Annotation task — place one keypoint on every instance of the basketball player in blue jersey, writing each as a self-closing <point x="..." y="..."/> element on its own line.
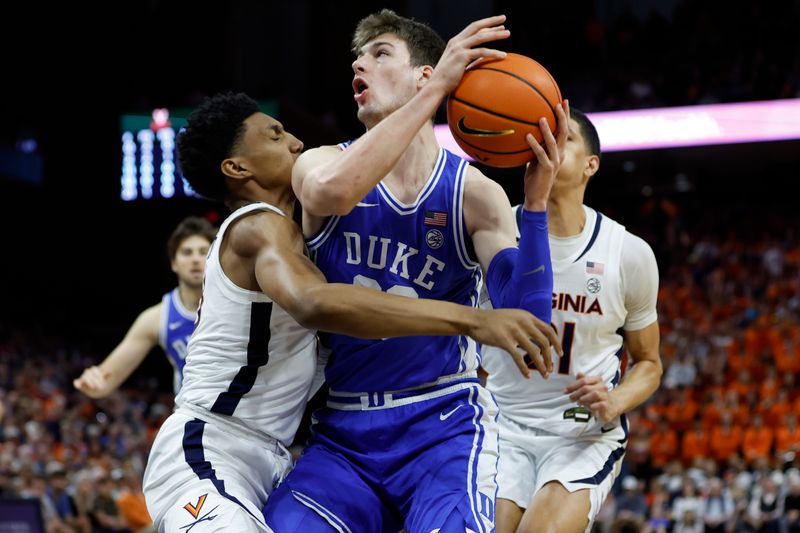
<point x="408" y="438"/>
<point x="562" y="440"/>
<point x="252" y="356"/>
<point x="168" y="324"/>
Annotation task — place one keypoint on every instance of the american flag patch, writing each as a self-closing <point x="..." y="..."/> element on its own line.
<point x="593" y="267"/>
<point x="435" y="218"/>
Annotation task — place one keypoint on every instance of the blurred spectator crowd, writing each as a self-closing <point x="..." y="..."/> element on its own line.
<point x="716" y="449"/>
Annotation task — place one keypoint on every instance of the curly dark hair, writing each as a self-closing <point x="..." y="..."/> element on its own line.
<point x="211" y="133"/>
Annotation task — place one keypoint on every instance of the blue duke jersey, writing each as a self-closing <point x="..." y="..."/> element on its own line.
<point x="177" y="325"/>
<point x="415" y="250"/>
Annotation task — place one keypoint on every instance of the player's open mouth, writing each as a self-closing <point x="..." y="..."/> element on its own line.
<point x="359" y="88"/>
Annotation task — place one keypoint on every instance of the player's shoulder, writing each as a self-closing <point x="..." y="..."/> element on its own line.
<point x="479" y="186"/>
<point x="248" y="234"/>
<point x="635" y="245"/>
<point x="149" y="320"/>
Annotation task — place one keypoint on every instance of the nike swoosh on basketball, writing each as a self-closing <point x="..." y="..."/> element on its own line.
<point x="540" y="268"/>
<point x="362" y="204"/>
<point x="174" y="325"/>
<point x="445" y="416"/>
<point x="466" y="130"/>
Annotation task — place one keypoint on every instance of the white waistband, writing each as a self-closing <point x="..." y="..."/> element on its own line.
<point x="365" y="401"/>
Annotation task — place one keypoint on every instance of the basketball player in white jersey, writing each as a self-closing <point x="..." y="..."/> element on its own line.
<point x="562" y="440"/>
<point x="168" y="324"/>
<point x="252" y="357"/>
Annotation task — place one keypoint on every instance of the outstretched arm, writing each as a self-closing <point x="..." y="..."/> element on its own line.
<point x="273" y="246"/>
<point x="99" y="381"/>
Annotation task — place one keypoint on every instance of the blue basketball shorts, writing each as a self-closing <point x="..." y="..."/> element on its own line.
<point x="421" y="460"/>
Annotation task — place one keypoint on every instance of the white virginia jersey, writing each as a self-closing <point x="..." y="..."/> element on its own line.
<point x="604" y="279"/>
<point x="248" y="358"/>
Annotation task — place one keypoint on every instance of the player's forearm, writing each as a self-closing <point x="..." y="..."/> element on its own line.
<point x="524" y="278"/>
<point x="371" y="314"/>
<point x="639" y="384"/>
<point x="340" y="185"/>
<point x="117" y="367"/>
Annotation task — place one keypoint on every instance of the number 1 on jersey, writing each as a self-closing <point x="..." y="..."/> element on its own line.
<point x="566" y="345"/>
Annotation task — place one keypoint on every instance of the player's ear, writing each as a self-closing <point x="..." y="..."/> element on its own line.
<point x="423" y="74"/>
<point x="234" y="168"/>
<point x="592" y="166"/>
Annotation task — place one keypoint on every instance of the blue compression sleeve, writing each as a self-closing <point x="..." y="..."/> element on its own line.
<point x="523" y="277"/>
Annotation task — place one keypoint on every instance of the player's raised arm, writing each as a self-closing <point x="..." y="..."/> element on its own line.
<point x="334" y="186"/>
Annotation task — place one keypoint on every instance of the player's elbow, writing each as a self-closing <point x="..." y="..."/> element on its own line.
<point x="323" y="195"/>
<point x="314" y="310"/>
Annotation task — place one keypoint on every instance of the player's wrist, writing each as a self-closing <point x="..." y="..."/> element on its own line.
<point x="535" y="206"/>
<point x="435" y="89"/>
<point x="472" y="319"/>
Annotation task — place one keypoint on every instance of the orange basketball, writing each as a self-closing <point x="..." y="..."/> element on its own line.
<point x="496" y="104"/>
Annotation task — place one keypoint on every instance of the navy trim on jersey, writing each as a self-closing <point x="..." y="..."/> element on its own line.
<point x="257" y="356"/>
<point x="195" y="457"/>
<point x="623" y="420"/>
<point x="605" y="471"/>
<point x="594" y="236"/>
<point x="618" y="375"/>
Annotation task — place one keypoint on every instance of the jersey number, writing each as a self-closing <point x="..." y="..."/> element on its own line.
<point x="566" y="345"/>
<point x="399" y="290"/>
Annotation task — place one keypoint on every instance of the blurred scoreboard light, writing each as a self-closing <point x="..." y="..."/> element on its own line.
<point x="149" y="167"/>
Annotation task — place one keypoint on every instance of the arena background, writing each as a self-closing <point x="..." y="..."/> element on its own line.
<point x="80" y="263"/>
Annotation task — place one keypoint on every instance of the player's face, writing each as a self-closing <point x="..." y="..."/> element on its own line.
<point x="269" y="151"/>
<point x="189" y="262"/>
<point x="576" y="155"/>
<point x="384" y="78"/>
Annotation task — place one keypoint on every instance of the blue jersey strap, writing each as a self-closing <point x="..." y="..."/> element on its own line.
<point x="523" y="277"/>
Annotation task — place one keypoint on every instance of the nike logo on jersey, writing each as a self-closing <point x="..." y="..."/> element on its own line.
<point x="363" y="204"/>
<point x="444" y="416"/>
<point x="174" y="325"/>
<point x="463" y="128"/>
<point x="606" y="430"/>
<point x="540" y="268"/>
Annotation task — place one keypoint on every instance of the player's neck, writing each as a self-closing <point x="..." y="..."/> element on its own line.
<point x="190" y="297"/>
<point x="565" y="215"/>
<point x="414" y="167"/>
<point x="282" y="200"/>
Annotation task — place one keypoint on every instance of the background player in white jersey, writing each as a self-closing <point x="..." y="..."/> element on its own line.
<point x="251" y="359"/>
<point x="562" y="440"/>
<point x="168" y="324"/>
<point x="408" y="436"/>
